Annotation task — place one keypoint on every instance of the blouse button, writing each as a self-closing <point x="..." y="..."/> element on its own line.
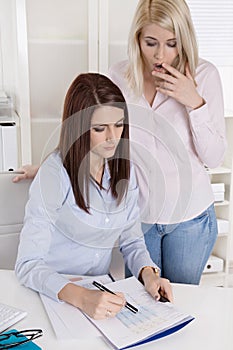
<point x="106" y="220"/>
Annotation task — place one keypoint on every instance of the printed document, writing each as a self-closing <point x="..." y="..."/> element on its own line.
<point x="153" y="320"/>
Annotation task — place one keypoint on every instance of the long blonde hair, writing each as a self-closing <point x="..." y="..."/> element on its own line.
<point x="172" y="15"/>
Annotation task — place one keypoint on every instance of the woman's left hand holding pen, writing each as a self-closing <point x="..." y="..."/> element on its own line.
<point x="156" y="286"/>
<point x="95" y="303"/>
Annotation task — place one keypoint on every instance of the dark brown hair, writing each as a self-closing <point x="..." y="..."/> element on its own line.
<point x="87" y="93"/>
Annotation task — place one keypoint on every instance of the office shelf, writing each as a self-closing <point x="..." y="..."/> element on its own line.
<point x="219" y="170"/>
<point x="224" y="210"/>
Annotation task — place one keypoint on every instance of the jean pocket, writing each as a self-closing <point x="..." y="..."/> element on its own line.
<point x="204" y="215"/>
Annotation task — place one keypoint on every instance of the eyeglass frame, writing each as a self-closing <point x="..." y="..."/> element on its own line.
<point x="31" y="333"/>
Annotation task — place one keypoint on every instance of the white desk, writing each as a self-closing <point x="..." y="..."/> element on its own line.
<point x="212" y="328"/>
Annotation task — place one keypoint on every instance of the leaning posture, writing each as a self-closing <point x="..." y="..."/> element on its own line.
<point x="84" y="199"/>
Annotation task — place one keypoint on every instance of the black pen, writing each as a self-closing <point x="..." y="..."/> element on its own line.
<point x="105" y="289"/>
<point x="162" y="298"/>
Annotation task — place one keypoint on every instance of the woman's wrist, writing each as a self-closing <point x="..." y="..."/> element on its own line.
<point x="72" y="294"/>
<point x="148" y="271"/>
<point x="198" y="103"/>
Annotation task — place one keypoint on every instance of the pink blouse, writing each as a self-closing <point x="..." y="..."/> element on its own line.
<point x="170" y="144"/>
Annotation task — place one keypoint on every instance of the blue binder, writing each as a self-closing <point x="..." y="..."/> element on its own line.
<point x="161" y="335"/>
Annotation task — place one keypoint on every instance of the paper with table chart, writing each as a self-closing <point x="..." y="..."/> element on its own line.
<point x="153" y="320"/>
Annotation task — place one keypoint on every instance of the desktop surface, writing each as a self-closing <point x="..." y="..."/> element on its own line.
<point x="212" y="328"/>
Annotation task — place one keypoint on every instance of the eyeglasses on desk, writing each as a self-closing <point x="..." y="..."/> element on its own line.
<point x="13" y="338"/>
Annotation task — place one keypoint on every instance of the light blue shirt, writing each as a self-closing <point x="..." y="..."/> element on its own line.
<point x="60" y="238"/>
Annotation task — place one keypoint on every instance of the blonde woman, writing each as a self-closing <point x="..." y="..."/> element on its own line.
<point x="177" y="128"/>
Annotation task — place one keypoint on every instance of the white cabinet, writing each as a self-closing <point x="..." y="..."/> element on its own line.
<point x="62" y="43"/>
<point x="57" y="51"/>
<point x="14" y="78"/>
<point x="65" y="39"/>
<point x="114" y="24"/>
<point x="224" y="211"/>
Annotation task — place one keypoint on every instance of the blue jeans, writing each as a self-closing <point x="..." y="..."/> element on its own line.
<point x="182" y="250"/>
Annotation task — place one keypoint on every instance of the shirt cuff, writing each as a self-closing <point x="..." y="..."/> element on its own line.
<point x="198" y="116"/>
<point x="54" y="285"/>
